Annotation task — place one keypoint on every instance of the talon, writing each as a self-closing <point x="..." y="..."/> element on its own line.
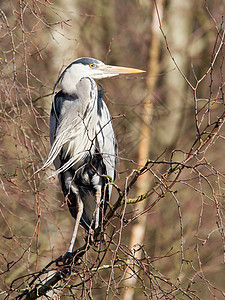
<point x="66" y="259"/>
<point x="100" y="239"/>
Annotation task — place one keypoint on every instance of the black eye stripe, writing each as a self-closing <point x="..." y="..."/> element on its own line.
<point x="86" y="61"/>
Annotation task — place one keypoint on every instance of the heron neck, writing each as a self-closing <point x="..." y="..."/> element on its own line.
<point x="69" y="82"/>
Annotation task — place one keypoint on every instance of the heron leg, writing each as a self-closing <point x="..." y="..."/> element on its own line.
<point x="96" y="181"/>
<point x="80" y="207"/>
<point x="72" y="192"/>
<point x="98" y="200"/>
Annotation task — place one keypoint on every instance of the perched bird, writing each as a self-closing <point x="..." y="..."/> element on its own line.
<point x="83" y="143"/>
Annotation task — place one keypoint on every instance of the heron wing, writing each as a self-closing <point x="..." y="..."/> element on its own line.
<point x="105" y="136"/>
<point x="72" y="128"/>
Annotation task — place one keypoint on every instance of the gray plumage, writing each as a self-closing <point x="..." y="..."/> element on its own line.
<point x="83" y="143"/>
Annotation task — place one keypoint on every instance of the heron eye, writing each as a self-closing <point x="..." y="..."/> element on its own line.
<point x="92" y="66"/>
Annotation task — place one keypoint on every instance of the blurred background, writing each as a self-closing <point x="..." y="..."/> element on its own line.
<point x="172" y="113"/>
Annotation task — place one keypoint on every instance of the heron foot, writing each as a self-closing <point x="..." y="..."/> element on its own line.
<point x="65" y="259"/>
<point x="99" y="238"/>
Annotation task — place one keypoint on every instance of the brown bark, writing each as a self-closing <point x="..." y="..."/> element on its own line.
<point x="138" y="229"/>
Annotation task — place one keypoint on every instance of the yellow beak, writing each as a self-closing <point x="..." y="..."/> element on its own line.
<point x="114" y="70"/>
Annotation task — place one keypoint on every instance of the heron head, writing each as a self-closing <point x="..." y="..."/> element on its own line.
<point x="90" y="67"/>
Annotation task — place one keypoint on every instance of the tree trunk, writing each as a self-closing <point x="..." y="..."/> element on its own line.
<point x="138" y="229"/>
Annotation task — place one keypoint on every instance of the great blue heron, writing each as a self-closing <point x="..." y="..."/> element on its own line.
<point x="83" y="143"/>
